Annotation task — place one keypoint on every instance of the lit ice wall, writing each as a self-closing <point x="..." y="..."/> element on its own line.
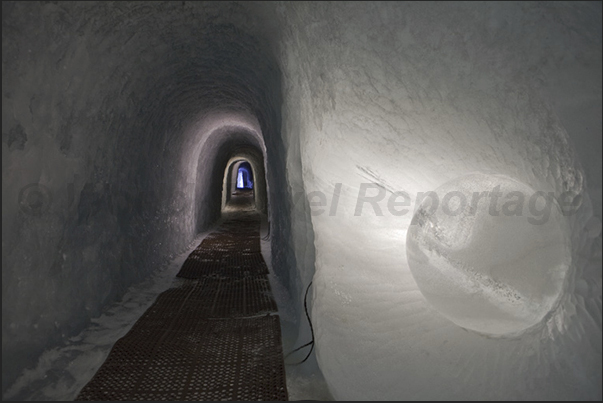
<point x="411" y="96"/>
<point x="122" y="113"/>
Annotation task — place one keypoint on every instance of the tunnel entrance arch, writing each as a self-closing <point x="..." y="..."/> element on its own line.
<point x="238" y="191"/>
<point x="244" y="174"/>
<point x="225" y="141"/>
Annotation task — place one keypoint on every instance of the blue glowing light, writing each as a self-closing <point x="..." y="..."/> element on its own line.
<point x="244" y="179"/>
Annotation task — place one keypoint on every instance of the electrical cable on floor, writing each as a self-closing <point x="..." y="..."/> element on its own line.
<point x="311" y="331"/>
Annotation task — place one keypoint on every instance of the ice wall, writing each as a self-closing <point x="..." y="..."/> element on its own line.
<point x="410" y="96"/>
<point x="117" y="124"/>
<point x="119" y="120"/>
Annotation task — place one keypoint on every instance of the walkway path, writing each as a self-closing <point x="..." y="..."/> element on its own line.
<point x="215" y="337"/>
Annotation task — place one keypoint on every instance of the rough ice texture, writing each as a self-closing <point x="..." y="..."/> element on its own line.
<point x="489" y="253"/>
<point x="63" y="370"/>
<point x="411" y="96"/>
<point x="126" y="115"/>
<point x="102" y="102"/>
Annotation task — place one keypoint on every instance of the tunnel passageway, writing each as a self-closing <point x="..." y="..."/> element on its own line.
<point x="432" y="169"/>
<point x="238" y="191"/>
<point x="214" y="336"/>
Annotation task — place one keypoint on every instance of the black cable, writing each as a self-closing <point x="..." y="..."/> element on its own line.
<point x="311" y="331"/>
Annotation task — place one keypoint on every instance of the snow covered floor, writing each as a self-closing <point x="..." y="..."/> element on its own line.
<point x="63" y="371"/>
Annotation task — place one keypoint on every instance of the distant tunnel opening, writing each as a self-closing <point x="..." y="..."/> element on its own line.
<point x="244" y="179"/>
<point x="238" y="190"/>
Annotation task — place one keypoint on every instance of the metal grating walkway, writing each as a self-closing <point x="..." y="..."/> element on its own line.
<point x="216" y="337"/>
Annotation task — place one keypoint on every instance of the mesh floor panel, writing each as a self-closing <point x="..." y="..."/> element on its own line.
<point x="215" y="337"/>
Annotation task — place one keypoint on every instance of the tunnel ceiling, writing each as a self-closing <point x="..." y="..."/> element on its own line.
<point x="104" y="100"/>
<point x="119" y="119"/>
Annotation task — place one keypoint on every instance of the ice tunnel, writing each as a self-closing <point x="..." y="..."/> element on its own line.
<point x="432" y="168"/>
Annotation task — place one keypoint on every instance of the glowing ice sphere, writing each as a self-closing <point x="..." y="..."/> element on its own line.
<point x="489" y="253"/>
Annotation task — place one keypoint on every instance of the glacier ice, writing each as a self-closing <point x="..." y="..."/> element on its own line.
<point x="128" y="116"/>
<point x="483" y="259"/>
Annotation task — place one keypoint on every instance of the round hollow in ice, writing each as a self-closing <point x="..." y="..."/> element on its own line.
<point x="489" y="253"/>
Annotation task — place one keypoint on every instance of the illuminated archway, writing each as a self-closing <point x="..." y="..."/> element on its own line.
<point x="251" y="160"/>
<point x="244" y="179"/>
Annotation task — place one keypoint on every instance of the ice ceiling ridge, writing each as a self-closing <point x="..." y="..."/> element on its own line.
<point x="120" y="120"/>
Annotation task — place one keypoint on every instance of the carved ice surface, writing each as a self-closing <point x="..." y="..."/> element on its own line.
<point x="483" y="264"/>
<point x="119" y="119"/>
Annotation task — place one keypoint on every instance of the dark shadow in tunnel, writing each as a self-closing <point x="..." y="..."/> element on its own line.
<point x="244" y="181"/>
<point x="166" y="68"/>
<point x="226" y="68"/>
<point x="223" y="68"/>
